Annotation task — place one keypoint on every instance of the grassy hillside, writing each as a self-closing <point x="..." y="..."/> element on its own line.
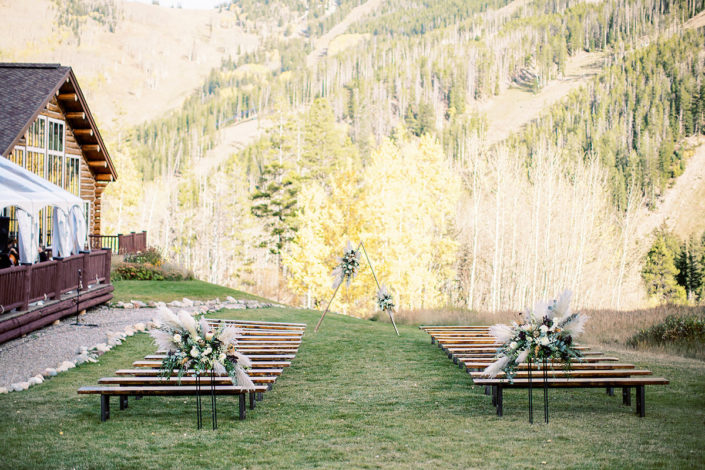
<point x="357" y="396"/>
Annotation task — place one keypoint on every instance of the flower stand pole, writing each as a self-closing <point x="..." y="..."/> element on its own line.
<point x="199" y="416"/>
<point x="199" y="409"/>
<point x="326" y="311"/>
<point x="531" y="394"/>
<point x="389" y="311"/>
<point x="545" y="390"/>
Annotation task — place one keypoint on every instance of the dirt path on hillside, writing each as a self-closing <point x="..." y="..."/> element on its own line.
<point x="510" y="111"/>
<point x="232" y="139"/>
<point x="683" y="207"/>
<point x="321" y="44"/>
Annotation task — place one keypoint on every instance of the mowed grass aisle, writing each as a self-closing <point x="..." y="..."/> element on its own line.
<point x="357" y="396"/>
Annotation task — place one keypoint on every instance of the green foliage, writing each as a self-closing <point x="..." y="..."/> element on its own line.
<point x="151" y="255"/>
<point x="274" y="201"/>
<point x="146" y="272"/>
<point x="632" y="117"/>
<point x="672" y="329"/>
<point x="683" y="335"/>
<point x="659" y="271"/>
<point x="690" y="263"/>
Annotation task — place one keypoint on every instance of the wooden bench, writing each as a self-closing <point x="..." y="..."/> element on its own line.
<point x="474" y="349"/>
<point x="626" y="383"/>
<point x="270" y="346"/>
<point x="163" y="390"/>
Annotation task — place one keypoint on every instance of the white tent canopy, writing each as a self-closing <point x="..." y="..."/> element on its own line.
<point x="30" y="193"/>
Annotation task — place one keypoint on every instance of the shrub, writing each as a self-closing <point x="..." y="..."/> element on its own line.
<point x="151" y="256"/>
<point x="673" y="329"/>
<point x="147" y="272"/>
<point x="684" y="335"/>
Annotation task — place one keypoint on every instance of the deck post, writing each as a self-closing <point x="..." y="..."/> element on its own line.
<point x="626" y="396"/>
<point x="241" y="406"/>
<point x="104" y="407"/>
<point x="27" y="285"/>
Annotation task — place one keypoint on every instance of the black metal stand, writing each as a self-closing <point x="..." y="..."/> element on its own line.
<point x="531" y="401"/>
<point x="214" y="412"/>
<point x="199" y="415"/>
<point x="199" y="403"/>
<point x="78" y="301"/>
<point x="545" y="390"/>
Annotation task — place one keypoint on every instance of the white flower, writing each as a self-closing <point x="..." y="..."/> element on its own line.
<point x="194" y="352"/>
<point x="207" y="351"/>
<point x="209" y="336"/>
<point x="221" y="358"/>
<point x="543" y="328"/>
<point x="197" y="339"/>
<point x="177" y="338"/>
<point x="544" y="341"/>
<point x="513" y="345"/>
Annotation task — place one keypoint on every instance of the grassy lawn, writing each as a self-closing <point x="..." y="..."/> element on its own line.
<point x="357" y="396"/>
<point x="166" y="291"/>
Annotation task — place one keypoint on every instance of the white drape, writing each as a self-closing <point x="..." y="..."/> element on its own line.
<point x="77" y="229"/>
<point x="28" y="237"/>
<point x="29" y="194"/>
<point x="61" y="240"/>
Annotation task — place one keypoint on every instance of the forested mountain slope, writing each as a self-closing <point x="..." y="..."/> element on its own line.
<point x="489" y="153"/>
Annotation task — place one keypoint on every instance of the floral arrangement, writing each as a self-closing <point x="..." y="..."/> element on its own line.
<point x="547" y="333"/>
<point x="347" y="268"/>
<point x="384" y="299"/>
<point x="196" y="345"/>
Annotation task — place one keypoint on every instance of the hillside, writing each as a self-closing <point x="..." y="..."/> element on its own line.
<point x="517" y="134"/>
<point x="154" y="59"/>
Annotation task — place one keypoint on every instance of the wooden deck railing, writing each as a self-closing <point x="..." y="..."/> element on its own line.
<point x="22" y="285"/>
<point x="120" y="244"/>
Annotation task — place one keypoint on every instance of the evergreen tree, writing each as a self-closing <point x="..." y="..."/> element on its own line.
<point x="660" y="271"/>
<point x="274" y="201"/>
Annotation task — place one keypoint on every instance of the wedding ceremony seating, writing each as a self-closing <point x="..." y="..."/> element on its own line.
<point x="474" y="349"/>
<point x="269" y="345"/>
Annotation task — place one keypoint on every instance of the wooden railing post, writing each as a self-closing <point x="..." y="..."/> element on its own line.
<point x="108" y="260"/>
<point x="57" y="277"/>
<point x="120" y="245"/>
<point x="27" y="285"/>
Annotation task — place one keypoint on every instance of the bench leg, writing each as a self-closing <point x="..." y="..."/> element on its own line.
<point x="432" y="340"/>
<point x="259" y="396"/>
<point x="626" y="396"/>
<point x="104" y="408"/>
<point x="493" y="391"/>
<point x="123" y="402"/>
<point x="499" y="400"/>
<point x="610" y="391"/>
<point x="242" y="406"/>
<point x="138" y="397"/>
<point x="640" y="401"/>
<point x="252" y="400"/>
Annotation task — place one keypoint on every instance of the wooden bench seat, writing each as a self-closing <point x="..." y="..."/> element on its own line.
<point x="259" y="364"/>
<point x="474" y="349"/>
<point x="626" y="383"/>
<point x="157" y="371"/>
<point x="106" y="392"/>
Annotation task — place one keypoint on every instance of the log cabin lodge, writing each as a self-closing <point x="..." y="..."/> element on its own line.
<point x="47" y="128"/>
